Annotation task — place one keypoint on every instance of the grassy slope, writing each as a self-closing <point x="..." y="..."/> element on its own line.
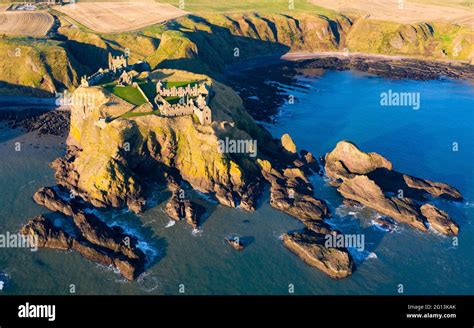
<point x="434" y="41"/>
<point x="35" y="67"/>
<point x="127" y="93"/>
<point x="206" y="41"/>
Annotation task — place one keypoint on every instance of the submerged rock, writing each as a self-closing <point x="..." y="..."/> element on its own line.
<point x="385" y="223"/>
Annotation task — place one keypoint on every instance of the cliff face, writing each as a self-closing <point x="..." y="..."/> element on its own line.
<point x="35" y="69"/>
<point x="212" y="41"/>
<point x="113" y="161"/>
<point x="207" y="43"/>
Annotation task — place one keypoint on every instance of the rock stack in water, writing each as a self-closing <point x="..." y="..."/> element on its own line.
<point x="91" y="238"/>
<point x="369" y="179"/>
<point x="292" y="193"/>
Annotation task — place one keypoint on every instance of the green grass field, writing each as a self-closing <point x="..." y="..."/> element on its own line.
<point x="170" y="84"/>
<point x="242" y="6"/>
<point x="149" y="88"/>
<point x="132" y="114"/>
<point x="127" y="93"/>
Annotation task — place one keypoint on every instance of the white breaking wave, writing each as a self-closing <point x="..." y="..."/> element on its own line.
<point x="145" y="247"/>
<point x="197" y="232"/>
<point x="170" y="223"/>
<point x="360" y="256"/>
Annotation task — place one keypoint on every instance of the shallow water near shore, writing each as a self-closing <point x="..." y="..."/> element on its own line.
<point x="329" y="108"/>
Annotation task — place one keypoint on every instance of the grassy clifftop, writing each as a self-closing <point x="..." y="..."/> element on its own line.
<point x="205" y="42"/>
<point x="427" y="40"/>
<point x="35" y="68"/>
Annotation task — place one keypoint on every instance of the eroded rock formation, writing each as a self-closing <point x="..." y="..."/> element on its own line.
<point x="309" y="246"/>
<point x="368" y="179"/>
<point x="92" y="238"/>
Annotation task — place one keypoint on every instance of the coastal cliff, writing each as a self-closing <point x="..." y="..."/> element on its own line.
<point x="115" y="151"/>
<point x="207" y="43"/>
<point x="110" y="163"/>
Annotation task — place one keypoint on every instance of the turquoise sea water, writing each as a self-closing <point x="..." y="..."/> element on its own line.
<point x="329" y="108"/>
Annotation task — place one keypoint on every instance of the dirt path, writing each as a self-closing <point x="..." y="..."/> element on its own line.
<point x="403" y="11"/>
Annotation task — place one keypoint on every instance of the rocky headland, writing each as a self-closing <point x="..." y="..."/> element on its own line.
<point x="113" y="164"/>
<point x="114" y="158"/>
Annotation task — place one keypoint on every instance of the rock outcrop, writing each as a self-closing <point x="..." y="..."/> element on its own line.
<point x="235" y="243"/>
<point x="108" y="164"/>
<point x="178" y="209"/>
<point x="439" y="220"/>
<point x="309" y="246"/>
<point x="288" y="143"/>
<point x="368" y="179"/>
<point x="366" y="192"/>
<point x="292" y="193"/>
<point x="129" y="150"/>
<point x="346" y="161"/>
<point x="92" y="238"/>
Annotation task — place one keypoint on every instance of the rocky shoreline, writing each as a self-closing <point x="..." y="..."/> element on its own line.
<point x="100" y="171"/>
<point x="263" y="96"/>
<point x="90" y="237"/>
<point x="45" y="122"/>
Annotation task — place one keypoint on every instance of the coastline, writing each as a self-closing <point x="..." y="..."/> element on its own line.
<point x="262" y="96"/>
<point x="292" y="56"/>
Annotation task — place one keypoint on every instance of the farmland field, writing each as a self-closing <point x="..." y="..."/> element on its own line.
<point x="36" y="24"/>
<point x="116" y="17"/>
<point x="452" y="11"/>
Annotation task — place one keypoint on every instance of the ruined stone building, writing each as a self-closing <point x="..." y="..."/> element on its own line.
<point x="87" y="81"/>
<point x="193" y="101"/>
<point x="117" y="63"/>
<point x="193" y="91"/>
<point x="125" y="78"/>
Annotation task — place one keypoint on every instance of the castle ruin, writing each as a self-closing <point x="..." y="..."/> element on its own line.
<point x="193" y="100"/>
<point x="117" y="63"/>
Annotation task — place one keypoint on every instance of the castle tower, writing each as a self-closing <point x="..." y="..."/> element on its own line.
<point x="159" y="87"/>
